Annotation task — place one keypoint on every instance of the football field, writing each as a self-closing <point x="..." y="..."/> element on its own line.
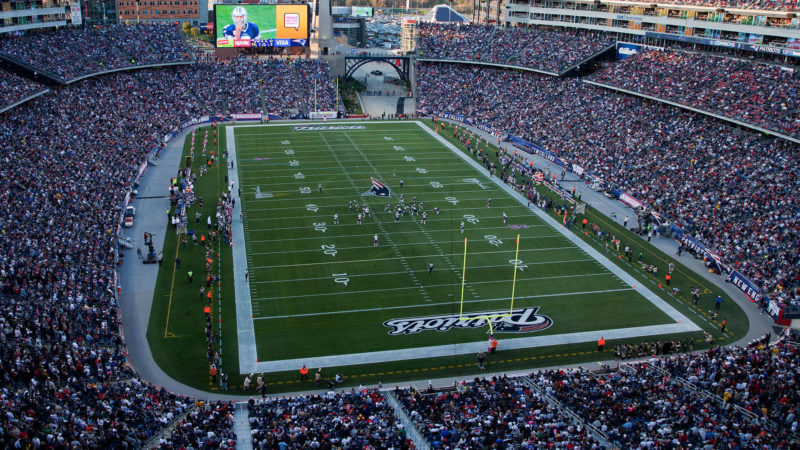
<point x="326" y="290"/>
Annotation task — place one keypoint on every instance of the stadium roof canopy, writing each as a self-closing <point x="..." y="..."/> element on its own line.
<point x="443" y="13"/>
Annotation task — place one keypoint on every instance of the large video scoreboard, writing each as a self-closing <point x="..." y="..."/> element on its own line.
<point x="261" y="25"/>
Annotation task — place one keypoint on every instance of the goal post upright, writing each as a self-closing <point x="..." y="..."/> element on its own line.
<point x="488" y="317"/>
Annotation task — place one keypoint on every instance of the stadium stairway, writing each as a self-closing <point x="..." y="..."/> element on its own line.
<point x="611" y="49"/>
<point x="412" y="432"/>
<point x="532" y="43"/>
<point x="26" y="70"/>
<point x="298" y="82"/>
<point x="241" y="426"/>
<point x="576" y="419"/>
<point x="487" y="42"/>
<point x="119" y="50"/>
<point x="769" y="423"/>
<point x="153" y="442"/>
<point x="262" y="76"/>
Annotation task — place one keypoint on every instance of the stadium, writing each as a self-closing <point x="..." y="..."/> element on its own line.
<point x="526" y="225"/>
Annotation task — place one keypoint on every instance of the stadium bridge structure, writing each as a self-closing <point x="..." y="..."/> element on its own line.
<point x="401" y="64"/>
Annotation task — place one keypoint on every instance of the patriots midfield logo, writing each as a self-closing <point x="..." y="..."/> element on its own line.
<point x="521" y="320"/>
<point x="378" y="189"/>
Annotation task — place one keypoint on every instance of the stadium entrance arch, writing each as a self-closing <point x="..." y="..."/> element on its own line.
<point x="401" y="64"/>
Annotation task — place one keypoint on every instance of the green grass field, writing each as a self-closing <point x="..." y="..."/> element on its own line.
<point x="327" y="290"/>
<point x="320" y="289"/>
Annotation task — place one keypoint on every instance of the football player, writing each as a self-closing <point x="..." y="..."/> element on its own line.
<point x="241" y="28"/>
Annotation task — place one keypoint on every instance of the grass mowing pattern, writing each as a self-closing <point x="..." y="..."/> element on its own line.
<point x="301" y="310"/>
<point x="181" y="350"/>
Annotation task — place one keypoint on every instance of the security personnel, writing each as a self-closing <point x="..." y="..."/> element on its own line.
<point x="600" y="344"/>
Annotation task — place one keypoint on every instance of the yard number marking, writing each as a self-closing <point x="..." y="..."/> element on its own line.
<point x="340" y="278"/>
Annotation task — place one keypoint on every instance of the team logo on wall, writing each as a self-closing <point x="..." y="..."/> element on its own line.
<point x="378" y="189"/>
<point x="522" y="320"/>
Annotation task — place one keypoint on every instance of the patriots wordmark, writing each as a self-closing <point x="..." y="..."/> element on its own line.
<point x="378" y="189"/>
<point x="522" y="320"/>
<point x="328" y="127"/>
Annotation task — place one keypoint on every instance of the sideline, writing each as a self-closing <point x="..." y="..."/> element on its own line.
<point x="138" y="280"/>
<point x="248" y="358"/>
<point x="759" y="323"/>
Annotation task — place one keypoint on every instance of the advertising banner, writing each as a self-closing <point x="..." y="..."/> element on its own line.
<point x="630" y="201"/>
<point x="140" y="172"/>
<point x="322" y="114"/>
<point x="456" y="117"/>
<point x="535" y="149"/>
<point x="249" y="116"/>
<point x="743" y="284"/>
<point x="695" y="246"/>
<point x="261" y="25"/>
<point x="486" y="128"/>
<point x="75" y="12"/>
<point x="725" y="43"/>
<point x="626" y="50"/>
<point x="774" y="310"/>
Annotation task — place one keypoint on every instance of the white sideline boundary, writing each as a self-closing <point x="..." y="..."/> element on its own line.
<point x="248" y="358"/>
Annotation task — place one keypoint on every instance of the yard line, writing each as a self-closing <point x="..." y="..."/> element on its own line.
<point x="282" y="159"/>
<point x="366" y="291"/>
<point x="386" y="235"/>
<point x="280" y="167"/>
<point x="339" y="205"/>
<point x="394" y="232"/>
<point x="352" y="215"/>
<point x="248" y="189"/>
<point x="407" y="257"/>
<point x="415" y="137"/>
<point x="505" y="227"/>
<point x="366" y="246"/>
<point x="425" y="305"/>
<point x="312" y="151"/>
<point x="431" y="242"/>
<point x="494" y="266"/>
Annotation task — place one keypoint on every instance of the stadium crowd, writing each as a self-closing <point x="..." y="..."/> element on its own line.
<point x="65" y="377"/>
<point x="761" y="378"/>
<point x="62" y="361"/>
<point x="208" y="425"/>
<point x="239" y="86"/>
<point x="14" y="88"/>
<point x="354" y="419"/>
<point x="72" y="52"/>
<point x="769" y="5"/>
<point x="763" y="95"/>
<point x="548" y="50"/>
<point x="639" y="407"/>
<point x="498" y="412"/>
<point x="679" y="401"/>
<point x="733" y="193"/>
